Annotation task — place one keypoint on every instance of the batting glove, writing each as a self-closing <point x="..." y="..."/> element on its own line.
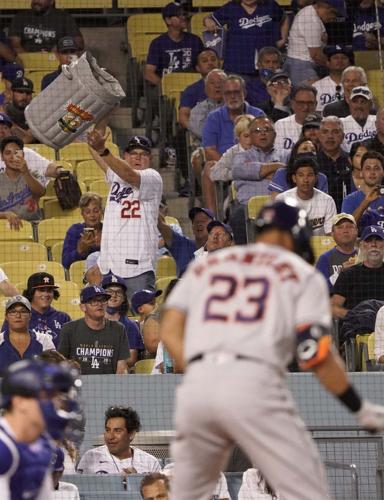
<point x="371" y="417"/>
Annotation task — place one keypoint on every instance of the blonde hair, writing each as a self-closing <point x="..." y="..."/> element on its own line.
<point x="242" y="124"/>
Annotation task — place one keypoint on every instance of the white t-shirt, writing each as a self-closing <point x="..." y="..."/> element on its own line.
<point x="229" y="314"/>
<point x="100" y="461"/>
<point x="253" y="487"/>
<point x="307" y="30"/>
<point x="37" y="164"/>
<point x="379" y="334"/>
<point x="326" y="92"/>
<point x="66" y="491"/>
<point x="130" y="236"/>
<point x="287" y="133"/>
<point x="320" y="209"/>
<point x="353" y="132"/>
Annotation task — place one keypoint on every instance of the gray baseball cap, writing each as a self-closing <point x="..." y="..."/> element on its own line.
<point x="18" y="299"/>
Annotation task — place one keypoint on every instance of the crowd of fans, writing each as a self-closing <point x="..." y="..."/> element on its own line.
<point x="280" y="111"/>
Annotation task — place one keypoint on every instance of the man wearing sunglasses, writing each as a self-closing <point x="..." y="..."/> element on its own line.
<point x="67" y="51"/>
<point x="18" y="341"/>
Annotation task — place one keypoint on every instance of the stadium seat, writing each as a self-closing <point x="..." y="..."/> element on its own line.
<point x="19" y="271"/>
<point x="50" y="231"/>
<point x="76" y="272"/>
<point x="57" y="251"/>
<point x="165" y="267"/>
<point x="144" y="366"/>
<point x="52" y="208"/>
<point x="14" y="250"/>
<point x="139" y="46"/>
<point x="43" y="150"/>
<point x="25" y="233"/>
<point x="254" y="205"/>
<point x="50" y="194"/>
<point x="375" y="83"/>
<point x="140" y="4"/>
<point x="140" y="24"/>
<point x="171" y="220"/>
<point x="78" y="151"/>
<point x="101" y="187"/>
<point x="69" y="299"/>
<point x="36" y="77"/>
<point x="162" y="284"/>
<point x="321" y="244"/>
<point x="37" y="61"/>
<point x="367" y="59"/>
<point x="84" y="4"/>
<point x="88" y="171"/>
<point x="365" y="345"/>
<point x="208" y="3"/>
<point x="174" y="83"/>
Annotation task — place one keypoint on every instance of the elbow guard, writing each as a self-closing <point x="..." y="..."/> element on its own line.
<point x="313" y="345"/>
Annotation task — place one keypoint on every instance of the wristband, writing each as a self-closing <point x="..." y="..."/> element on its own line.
<point x="351" y="399"/>
<point x="105" y="152"/>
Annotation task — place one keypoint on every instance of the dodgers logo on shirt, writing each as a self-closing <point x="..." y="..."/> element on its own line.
<point x="118" y="192"/>
<point x="245" y="23"/>
<point x="327" y="98"/>
<point x="352" y="137"/>
<point x="287" y="143"/>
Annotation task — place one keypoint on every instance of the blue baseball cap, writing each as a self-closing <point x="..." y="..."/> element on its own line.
<point x="173" y="9"/>
<point x="12" y="71"/>
<point x="5" y="120"/>
<point x="142" y="297"/>
<point x="226" y="227"/>
<point x="90" y="292"/>
<point x="112" y="279"/>
<point x="372" y="231"/>
<point x="195" y="210"/>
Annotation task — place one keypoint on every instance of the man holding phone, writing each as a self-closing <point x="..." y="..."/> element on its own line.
<point x="20" y="190"/>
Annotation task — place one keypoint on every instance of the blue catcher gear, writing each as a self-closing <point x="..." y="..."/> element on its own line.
<point x="288" y="216"/>
<point x="55" y="386"/>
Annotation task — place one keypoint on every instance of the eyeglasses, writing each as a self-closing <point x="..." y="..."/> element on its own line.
<point x="141" y="154"/>
<point x="18" y="312"/>
<point x="261" y="130"/>
<point x="96" y="302"/>
<point x="115" y="292"/>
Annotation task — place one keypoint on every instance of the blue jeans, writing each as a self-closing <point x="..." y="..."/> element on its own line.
<point x="299" y="71"/>
<point x="142" y="281"/>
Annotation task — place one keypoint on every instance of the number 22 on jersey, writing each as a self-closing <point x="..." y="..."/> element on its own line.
<point x="239" y="301"/>
<point x="131" y="209"/>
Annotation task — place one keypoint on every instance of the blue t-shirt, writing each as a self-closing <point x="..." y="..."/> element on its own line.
<point x="353" y="200"/>
<point x="70" y="253"/>
<point x="365" y="22"/>
<point x="256" y="91"/>
<point x="9" y="355"/>
<point x="32" y="462"/>
<point x="248" y="33"/>
<point x="279" y="182"/>
<point x="132" y="332"/>
<point x="183" y="251"/>
<point x="169" y="56"/>
<point x="218" y="130"/>
<point x="193" y="94"/>
<point x="330" y="263"/>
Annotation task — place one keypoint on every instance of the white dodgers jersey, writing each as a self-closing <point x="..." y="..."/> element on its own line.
<point x="249" y="301"/>
<point x="130" y="236"/>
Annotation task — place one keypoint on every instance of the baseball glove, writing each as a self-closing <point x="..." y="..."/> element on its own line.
<point x="67" y="190"/>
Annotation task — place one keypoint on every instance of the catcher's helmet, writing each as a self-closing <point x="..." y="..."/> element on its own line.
<point x="288" y="216"/>
<point x="43" y="381"/>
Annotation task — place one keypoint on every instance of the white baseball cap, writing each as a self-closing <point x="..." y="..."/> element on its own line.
<point x="342" y="216"/>
<point x="361" y="91"/>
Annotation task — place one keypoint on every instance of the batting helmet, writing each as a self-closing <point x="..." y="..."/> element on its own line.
<point x="288" y="216"/>
<point x="43" y="381"/>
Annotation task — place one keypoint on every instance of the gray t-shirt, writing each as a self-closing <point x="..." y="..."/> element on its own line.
<point x="15" y="196"/>
<point x="97" y="351"/>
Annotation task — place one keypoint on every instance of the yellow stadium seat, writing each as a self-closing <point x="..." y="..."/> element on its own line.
<point x="171" y="220"/>
<point x="208" y="3"/>
<point x="321" y="244"/>
<point x="56" y="251"/>
<point x="43" y="150"/>
<point x="140" y="45"/>
<point x="140" y="24"/>
<point x="162" y="284"/>
<point x="376" y="84"/>
<point x="367" y="59"/>
<point x="69" y="299"/>
<point x="77" y="271"/>
<point x="144" y="366"/>
<point x="36" y="77"/>
<point x="197" y="26"/>
<point x="25" y="233"/>
<point x="255" y="204"/>
<point x="100" y="187"/>
<point x="39" y="61"/>
<point x="84" y="4"/>
<point x="17" y="271"/>
<point x="165" y="267"/>
<point x="88" y="171"/>
<point x="365" y="345"/>
<point x="174" y="83"/>
<point x="21" y="251"/>
<point x="140" y="4"/>
<point x="15" y="4"/>
<point x="78" y="151"/>
<point x="50" y="231"/>
<point x="52" y="208"/>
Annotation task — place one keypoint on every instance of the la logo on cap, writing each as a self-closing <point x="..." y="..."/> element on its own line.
<point x="114" y="279"/>
<point x="97" y="289"/>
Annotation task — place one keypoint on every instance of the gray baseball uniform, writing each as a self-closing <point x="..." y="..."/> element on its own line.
<point x="244" y="306"/>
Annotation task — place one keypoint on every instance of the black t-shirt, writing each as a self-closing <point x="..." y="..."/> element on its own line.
<point x="42" y="31"/>
<point x="97" y="351"/>
<point x="338" y="174"/>
<point x="359" y="283"/>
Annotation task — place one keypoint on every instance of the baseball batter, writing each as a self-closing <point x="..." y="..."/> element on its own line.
<point x="235" y="321"/>
<point x="130" y="237"/>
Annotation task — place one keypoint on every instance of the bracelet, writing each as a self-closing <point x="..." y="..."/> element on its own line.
<point x="106" y="152"/>
<point x="351" y="399"/>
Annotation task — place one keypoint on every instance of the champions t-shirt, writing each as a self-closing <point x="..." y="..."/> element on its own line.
<point x="97" y="351"/>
